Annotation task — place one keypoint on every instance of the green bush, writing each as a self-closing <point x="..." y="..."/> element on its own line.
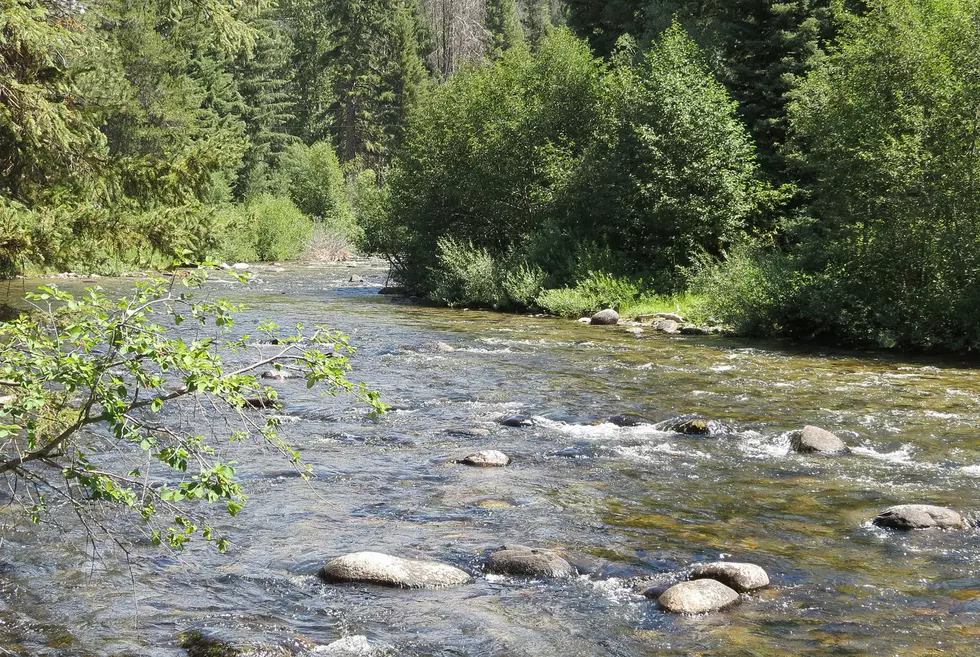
<point x="567" y="302"/>
<point x="316" y="182"/>
<point x="466" y="276"/>
<point x="522" y="283"/>
<point x="596" y="291"/>
<point x="485" y="153"/>
<point x="280" y="229"/>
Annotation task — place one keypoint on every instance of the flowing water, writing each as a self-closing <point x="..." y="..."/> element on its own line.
<point x="626" y="502"/>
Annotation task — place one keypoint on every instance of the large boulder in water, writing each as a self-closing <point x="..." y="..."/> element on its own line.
<point x="742" y="577"/>
<point x="386" y="570"/>
<point x="697" y="597"/>
<point x="522" y="560"/>
<point x="814" y="440"/>
<point x="919" y="516"/>
<point x="606" y="317"/>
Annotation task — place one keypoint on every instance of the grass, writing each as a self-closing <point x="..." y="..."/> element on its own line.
<point x="687" y="304"/>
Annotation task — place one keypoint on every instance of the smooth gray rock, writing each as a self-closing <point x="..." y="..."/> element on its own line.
<point x="742" y="577"/>
<point x="386" y="570"/>
<point x="487" y="458"/>
<point x="605" y="317"/>
<point x="241" y="266"/>
<point x="355" y="279"/>
<point x="697" y="597"/>
<point x="814" y="440"/>
<point x="666" y="326"/>
<point x="522" y="560"/>
<point x="919" y="516"/>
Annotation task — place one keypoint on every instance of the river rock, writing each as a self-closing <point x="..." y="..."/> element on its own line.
<point x="518" y="421"/>
<point x="392" y="290"/>
<point x="241" y="266"/>
<point x="697" y="597"/>
<point x="476" y="432"/>
<point x="919" y="516"/>
<point x="349" y="646"/>
<point x="635" y="330"/>
<point x="693" y="330"/>
<point x="814" y="440"/>
<point x="742" y="577"/>
<point x="260" y="402"/>
<point x="386" y="570"/>
<point x="696" y="426"/>
<point x="199" y="645"/>
<point x="522" y="560"/>
<point x="605" y="317"/>
<point x="666" y="326"/>
<point x="626" y="420"/>
<point x="278" y="375"/>
<point x="584" y="320"/>
<point x="487" y="458"/>
<point x="355" y="279"/>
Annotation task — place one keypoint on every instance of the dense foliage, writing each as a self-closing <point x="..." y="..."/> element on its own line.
<point x="807" y="166"/>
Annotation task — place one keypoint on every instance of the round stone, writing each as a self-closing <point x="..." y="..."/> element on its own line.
<point x="522" y="560"/>
<point x="814" y="440"/>
<point x="741" y="577"/>
<point x="697" y="597"/>
<point x="919" y="516"/>
<point x="387" y="570"/>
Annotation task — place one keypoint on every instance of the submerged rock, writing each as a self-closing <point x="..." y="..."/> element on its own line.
<point x="469" y="431"/>
<point x="605" y="317"/>
<point x="199" y="645"/>
<point x="697" y="597"/>
<point x="518" y="421"/>
<point x="695" y="426"/>
<point x="626" y="420"/>
<point x="522" y="560"/>
<point x="487" y="458"/>
<point x="814" y="440"/>
<point x="919" y="516"/>
<point x="742" y="577"/>
<point x="386" y="570"/>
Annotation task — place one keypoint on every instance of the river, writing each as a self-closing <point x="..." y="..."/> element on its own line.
<point x="628" y="502"/>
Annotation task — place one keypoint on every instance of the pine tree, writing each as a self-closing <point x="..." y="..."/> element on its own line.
<point x="265" y="81"/>
<point x="504" y="29"/>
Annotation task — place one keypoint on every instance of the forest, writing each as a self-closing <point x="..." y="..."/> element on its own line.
<point x="800" y="168"/>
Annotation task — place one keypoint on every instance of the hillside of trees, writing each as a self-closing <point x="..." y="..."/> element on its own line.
<point x="804" y="168"/>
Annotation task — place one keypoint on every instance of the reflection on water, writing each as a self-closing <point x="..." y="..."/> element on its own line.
<point x="626" y="501"/>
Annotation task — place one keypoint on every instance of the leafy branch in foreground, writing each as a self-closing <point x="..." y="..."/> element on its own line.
<point x="85" y="380"/>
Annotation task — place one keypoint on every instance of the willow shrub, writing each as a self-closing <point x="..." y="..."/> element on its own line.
<point x="485" y="153"/>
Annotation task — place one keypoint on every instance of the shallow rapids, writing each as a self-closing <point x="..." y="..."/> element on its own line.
<point x="628" y="502"/>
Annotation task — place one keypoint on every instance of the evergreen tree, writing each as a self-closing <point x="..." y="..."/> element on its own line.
<point x="504" y="29"/>
<point x="265" y="82"/>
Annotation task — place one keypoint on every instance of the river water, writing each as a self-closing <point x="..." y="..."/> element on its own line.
<point x="626" y="502"/>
